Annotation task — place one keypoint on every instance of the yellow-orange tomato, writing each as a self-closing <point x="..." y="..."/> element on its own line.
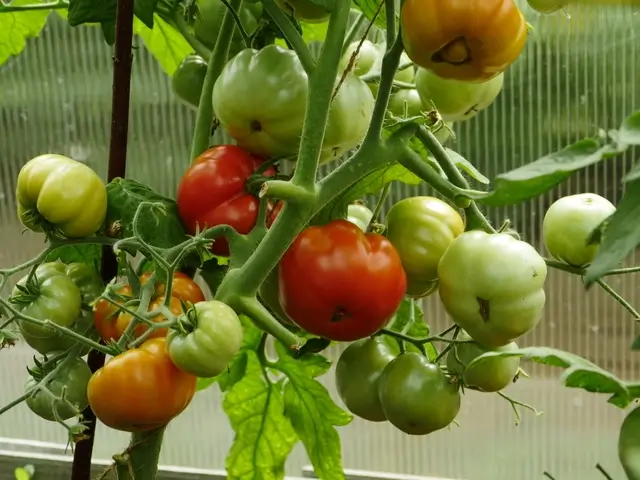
<point x="183" y="287"/>
<point x="469" y="40"/>
<point x="105" y="315"/>
<point x="140" y="389"/>
<point x="124" y="319"/>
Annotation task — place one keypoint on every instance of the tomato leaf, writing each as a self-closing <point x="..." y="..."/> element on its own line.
<point x="538" y="177"/>
<point x="579" y="372"/>
<point x="94" y="11"/>
<point x="370" y="7"/>
<point x="264" y="435"/>
<point x="143" y="9"/>
<point x="85" y="253"/>
<point x="629" y="132"/>
<point x="16" y="27"/>
<point x="313" y="413"/>
<point x="165" y="43"/>
<point x="621" y="236"/>
<point x="465" y="165"/>
<point x="213" y="272"/>
<point x="417" y="328"/>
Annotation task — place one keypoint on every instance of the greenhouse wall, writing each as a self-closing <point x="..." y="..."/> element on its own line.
<point x="579" y="75"/>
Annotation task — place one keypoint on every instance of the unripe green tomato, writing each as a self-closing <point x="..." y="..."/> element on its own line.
<point x="406" y="103"/>
<point x="209" y="20"/>
<point x="568" y="224"/>
<point x="367" y="57"/>
<point x="457" y="100"/>
<point x="188" y="80"/>
<point x="359" y="215"/>
<point x="490" y="375"/>
<point x="629" y="444"/>
<point x="421" y="229"/>
<point x="547" y="6"/>
<point x="304" y="10"/>
<point x="357" y="372"/>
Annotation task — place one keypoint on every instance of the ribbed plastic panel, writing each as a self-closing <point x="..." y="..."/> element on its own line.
<point x="577" y="75"/>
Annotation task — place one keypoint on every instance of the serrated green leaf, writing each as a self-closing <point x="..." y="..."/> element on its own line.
<point x="165" y="43"/>
<point x="16" y="27"/>
<point x="160" y="227"/>
<point x="144" y="9"/>
<point x="314" y="416"/>
<point x="629" y="133"/>
<point x="465" y="165"/>
<point x="264" y="436"/>
<point x="91" y="11"/>
<point x="84" y="253"/>
<point x="579" y="373"/>
<point x="621" y="236"/>
<point x="536" y="178"/>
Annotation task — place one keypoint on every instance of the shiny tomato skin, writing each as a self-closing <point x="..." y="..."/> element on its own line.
<point x="140" y="389"/>
<point x="212" y="192"/>
<point x="183" y="287"/>
<point x="340" y="283"/>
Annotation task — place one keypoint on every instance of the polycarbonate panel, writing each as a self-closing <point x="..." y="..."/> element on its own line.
<point x="576" y="75"/>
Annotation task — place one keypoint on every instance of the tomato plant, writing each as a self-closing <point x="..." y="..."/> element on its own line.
<point x="60" y="195"/>
<point x="357" y="373"/>
<point x="305" y="10"/>
<point x="213" y="192"/>
<point x="183" y="287"/>
<point x="421" y="229"/>
<point x="206" y="339"/>
<point x="469" y="41"/>
<point x="492" y="286"/>
<point x="416" y="396"/>
<point x="492" y="374"/>
<point x="151" y="389"/>
<point x="340" y="283"/>
<point x="628" y="443"/>
<point x="71" y="381"/>
<point x="188" y="79"/>
<point x="569" y="223"/>
<point x="457" y="100"/>
<point x="359" y="215"/>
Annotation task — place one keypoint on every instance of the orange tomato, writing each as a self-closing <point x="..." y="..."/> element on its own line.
<point x="105" y="315"/>
<point x="140" y="389"/>
<point x="183" y="287"/>
<point x="124" y="319"/>
<point x="468" y="40"/>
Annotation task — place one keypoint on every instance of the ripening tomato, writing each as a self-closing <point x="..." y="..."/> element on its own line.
<point x="340" y="283"/>
<point x="140" y="389"/>
<point x="212" y="192"/>
<point x="105" y="314"/>
<point x="470" y="40"/>
<point x="183" y="287"/>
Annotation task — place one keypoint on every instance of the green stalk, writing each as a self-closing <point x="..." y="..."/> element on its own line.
<point x="218" y="60"/>
<point x="140" y="460"/>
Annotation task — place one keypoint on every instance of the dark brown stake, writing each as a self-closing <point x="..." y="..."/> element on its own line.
<point x="122" y="60"/>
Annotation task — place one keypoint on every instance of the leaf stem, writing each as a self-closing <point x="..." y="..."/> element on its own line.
<point x="291" y="34"/>
<point x="601" y="469"/>
<point x="380" y="203"/>
<point x="245" y="36"/>
<point x="217" y="61"/>
<point x="515" y="404"/>
<point x="548" y="475"/>
<point x="420" y="340"/>
<point x="607" y="288"/>
<point x="191" y="39"/>
<point x="475" y="218"/>
<point x="353" y="31"/>
<point x="390" y="9"/>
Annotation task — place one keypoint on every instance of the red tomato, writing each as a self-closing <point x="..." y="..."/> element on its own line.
<point x="340" y="283"/>
<point x="212" y="192"/>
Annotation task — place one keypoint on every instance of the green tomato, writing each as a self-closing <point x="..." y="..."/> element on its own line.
<point x="421" y="229"/>
<point x="457" y="100"/>
<point x="406" y="75"/>
<point x="269" y="293"/>
<point x="209" y="20"/>
<point x="89" y="285"/>
<point x="492" y="286"/>
<point x="416" y="396"/>
<point x="546" y="6"/>
<point x="59" y="195"/>
<point x="73" y="379"/>
<point x="368" y="56"/>
<point x="188" y="80"/>
<point x="357" y="372"/>
<point x="260" y="99"/>
<point x="406" y="103"/>
<point x="568" y="224"/>
<point x="490" y="375"/>
<point x="359" y="215"/>
<point x="304" y="10"/>
<point x="629" y="444"/>
<point x="214" y="336"/>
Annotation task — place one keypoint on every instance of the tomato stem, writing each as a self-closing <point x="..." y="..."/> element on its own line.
<point x="353" y="31"/>
<point x="291" y="35"/>
<point x="216" y="63"/>
<point x="287" y="191"/>
<point x="245" y="36"/>
<point x="390" y="10"/>
<point x="183" y="28"/>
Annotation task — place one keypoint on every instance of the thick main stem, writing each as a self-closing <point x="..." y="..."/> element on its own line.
<point x="122" y="60"/>
<point x="144" y="453"/>
<point x="218" y="60"/>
